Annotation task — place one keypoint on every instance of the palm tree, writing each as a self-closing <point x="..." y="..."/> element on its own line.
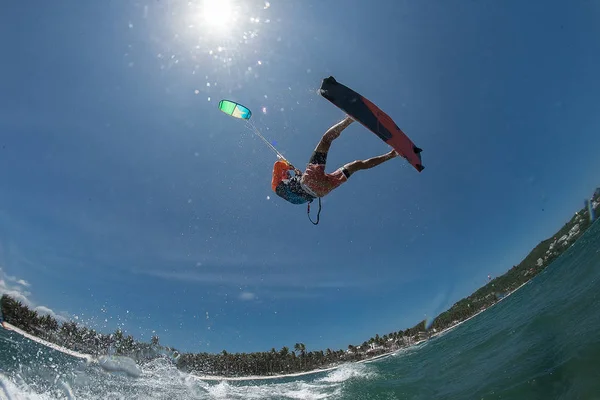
<point x="352" y="350"/>
<point x="284" y="352"/>
<point x="301" y="348"/>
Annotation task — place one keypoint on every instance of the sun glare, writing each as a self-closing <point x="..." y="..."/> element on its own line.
<point x="218" y="13"/>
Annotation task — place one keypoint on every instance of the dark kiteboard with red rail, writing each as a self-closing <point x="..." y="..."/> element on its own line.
<point x="372" y="118"/>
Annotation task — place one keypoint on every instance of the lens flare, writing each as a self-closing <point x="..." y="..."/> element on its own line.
<point x="218" y="13"/>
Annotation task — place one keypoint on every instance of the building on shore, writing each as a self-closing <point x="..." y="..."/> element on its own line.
<point x="592" y="204"/>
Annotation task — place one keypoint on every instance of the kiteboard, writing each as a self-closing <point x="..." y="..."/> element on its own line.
<point x="372" y="118"/>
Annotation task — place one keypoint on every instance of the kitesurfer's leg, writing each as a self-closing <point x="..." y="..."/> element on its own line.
<point x="369" y="163"/>
<point x="332" y="134"/>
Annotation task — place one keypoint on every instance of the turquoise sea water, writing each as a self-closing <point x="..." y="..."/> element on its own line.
<point x="542" y="342"/>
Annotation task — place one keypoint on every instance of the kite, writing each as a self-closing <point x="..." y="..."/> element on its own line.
<point x="235" y="109"/>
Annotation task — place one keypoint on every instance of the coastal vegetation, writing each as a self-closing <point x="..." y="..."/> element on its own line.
<point x="296" y="359"/>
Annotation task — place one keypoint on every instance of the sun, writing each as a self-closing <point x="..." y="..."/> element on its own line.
<point x="218" y="13"/>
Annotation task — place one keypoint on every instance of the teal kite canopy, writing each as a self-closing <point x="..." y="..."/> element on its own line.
<point x="235" y="109"/>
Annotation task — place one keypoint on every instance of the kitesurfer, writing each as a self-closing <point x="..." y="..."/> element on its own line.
<point x="314" y="182"/>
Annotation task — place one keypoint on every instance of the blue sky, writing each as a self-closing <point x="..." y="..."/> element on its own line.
<point x="127" y="199"/>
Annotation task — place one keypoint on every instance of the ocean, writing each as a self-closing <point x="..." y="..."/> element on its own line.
<point x="542" y="342"/>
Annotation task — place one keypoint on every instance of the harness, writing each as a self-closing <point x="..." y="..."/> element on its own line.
<point x="295" y="192"/>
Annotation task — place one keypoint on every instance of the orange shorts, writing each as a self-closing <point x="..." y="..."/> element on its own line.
<point x="321" y="183"/>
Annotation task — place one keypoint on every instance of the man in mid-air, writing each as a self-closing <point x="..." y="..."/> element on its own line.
<point x="315" y="182"/>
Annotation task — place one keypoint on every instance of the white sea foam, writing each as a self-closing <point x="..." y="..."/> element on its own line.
<point x="120" y="377"/>
<point x="347" y="372"/>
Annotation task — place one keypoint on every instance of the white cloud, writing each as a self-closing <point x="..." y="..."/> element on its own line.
<point x="23" y="282"/>
<point x="14" y="291"/>
<point x="13" y="279"/>
<point x="247" y="296"/>
<point x="14" y="287"/>
<point x="43" y="310"/>
<point x="289" y="279"/>
<point x="17" y="295"/>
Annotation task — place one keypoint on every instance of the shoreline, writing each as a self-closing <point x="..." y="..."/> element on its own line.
<point x="260" y="377"/>
<point x="46" y="343"/>
<point x="89" y="358"/>
<point x="477" y="313"/>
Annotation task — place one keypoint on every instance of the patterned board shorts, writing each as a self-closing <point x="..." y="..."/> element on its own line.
<point x="317" y="180"/>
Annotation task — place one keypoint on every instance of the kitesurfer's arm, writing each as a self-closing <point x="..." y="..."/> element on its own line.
<point x="280" y="172"/>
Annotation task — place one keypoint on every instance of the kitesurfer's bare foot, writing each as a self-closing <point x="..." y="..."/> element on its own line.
<point x="333" y="133"/>
<point x="392" y="154"/>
